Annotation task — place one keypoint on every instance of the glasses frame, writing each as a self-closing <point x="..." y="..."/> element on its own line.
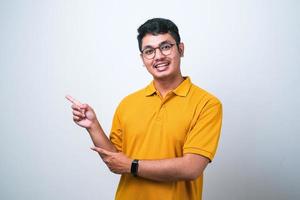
<point x="159" y="47"/>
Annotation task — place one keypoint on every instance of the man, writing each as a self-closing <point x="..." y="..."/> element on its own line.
<point x="162" y="136"/>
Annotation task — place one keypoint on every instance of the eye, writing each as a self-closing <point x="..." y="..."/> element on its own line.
<point x="148" y="51"/>
<point x="165" y="47"/>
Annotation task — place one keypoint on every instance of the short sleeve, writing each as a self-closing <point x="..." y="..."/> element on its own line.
<point x="116" y="131"/>
<point x="204" y="136"/>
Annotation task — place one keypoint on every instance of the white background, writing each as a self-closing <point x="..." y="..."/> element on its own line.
<point x="244" y="52"/>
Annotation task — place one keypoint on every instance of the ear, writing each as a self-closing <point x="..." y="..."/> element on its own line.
<point x="181" y="49"/>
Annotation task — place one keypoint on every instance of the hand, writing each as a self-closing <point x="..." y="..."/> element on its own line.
<point x="83" y="114"/>
<point x="117" y="162"/>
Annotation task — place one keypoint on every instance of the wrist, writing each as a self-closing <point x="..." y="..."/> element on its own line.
<point x="94" y="127"/>
<point x="128" y="167"/>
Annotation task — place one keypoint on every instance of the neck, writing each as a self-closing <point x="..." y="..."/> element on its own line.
<point x="163" y="86"/>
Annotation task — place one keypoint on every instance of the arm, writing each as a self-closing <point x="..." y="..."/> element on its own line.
<point x="188" y="167"/>
<point x="84" y="116"/>
<point x="99" y="138"/>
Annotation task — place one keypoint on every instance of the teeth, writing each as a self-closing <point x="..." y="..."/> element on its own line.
<point x="161" y="65"/>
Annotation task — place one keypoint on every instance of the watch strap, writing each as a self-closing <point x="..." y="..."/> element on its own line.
<point x="134" y="167"/>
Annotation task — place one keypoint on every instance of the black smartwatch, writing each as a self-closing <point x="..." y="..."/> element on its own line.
<point x="134" y="167"/>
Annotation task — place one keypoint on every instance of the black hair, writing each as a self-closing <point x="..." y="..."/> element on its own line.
<point x="157" y="26"/>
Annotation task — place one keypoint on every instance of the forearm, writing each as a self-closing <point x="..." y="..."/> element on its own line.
<point x="99" y="138"/>
<point x="182" y="168"/>
<point x="84" y="116"/>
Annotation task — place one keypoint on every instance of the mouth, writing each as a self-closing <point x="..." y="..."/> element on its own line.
<point x="161" y="66"/>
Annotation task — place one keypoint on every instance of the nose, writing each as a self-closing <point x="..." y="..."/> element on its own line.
<point x="158" y="54"/>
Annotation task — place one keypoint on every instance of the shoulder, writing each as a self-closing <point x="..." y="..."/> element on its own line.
<point x="132" y="99"/>
<point x="202" y="95"/>
<point x="207" y="106"/>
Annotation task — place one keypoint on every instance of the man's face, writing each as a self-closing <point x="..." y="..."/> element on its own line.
<point x="162" y="67"/>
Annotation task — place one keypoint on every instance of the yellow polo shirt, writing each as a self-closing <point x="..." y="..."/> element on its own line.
<point x="147" y="126"/>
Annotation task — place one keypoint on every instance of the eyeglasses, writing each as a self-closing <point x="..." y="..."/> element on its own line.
<point x="165" y="49"/>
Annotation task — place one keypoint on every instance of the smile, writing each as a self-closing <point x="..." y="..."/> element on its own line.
<point x="161" y="64"/>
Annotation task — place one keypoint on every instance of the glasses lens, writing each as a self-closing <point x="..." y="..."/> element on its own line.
<point x="149" y="53"/>
<point x="166" y="48"/>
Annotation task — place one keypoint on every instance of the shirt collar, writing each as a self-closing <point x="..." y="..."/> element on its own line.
<point x="150" y="89"/>
<point x="184" y="87"/>
<point x="181" y="90"/>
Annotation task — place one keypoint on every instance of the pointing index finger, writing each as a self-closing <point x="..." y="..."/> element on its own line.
<point x="74" y="101"/>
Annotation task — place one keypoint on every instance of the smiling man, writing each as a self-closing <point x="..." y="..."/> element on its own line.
<point x="162" y="136"/>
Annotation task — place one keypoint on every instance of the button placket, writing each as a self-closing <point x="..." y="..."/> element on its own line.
<point x="161" y="109"/>
<point x="159" y="113"/>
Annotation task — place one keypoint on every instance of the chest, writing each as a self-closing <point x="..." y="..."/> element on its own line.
<point x="157" y="128"/>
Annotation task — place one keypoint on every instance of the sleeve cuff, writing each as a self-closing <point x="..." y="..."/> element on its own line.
<point x="201" y="152"/>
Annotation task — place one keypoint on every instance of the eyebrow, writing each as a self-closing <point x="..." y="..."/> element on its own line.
<point x="163" y="42"/>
